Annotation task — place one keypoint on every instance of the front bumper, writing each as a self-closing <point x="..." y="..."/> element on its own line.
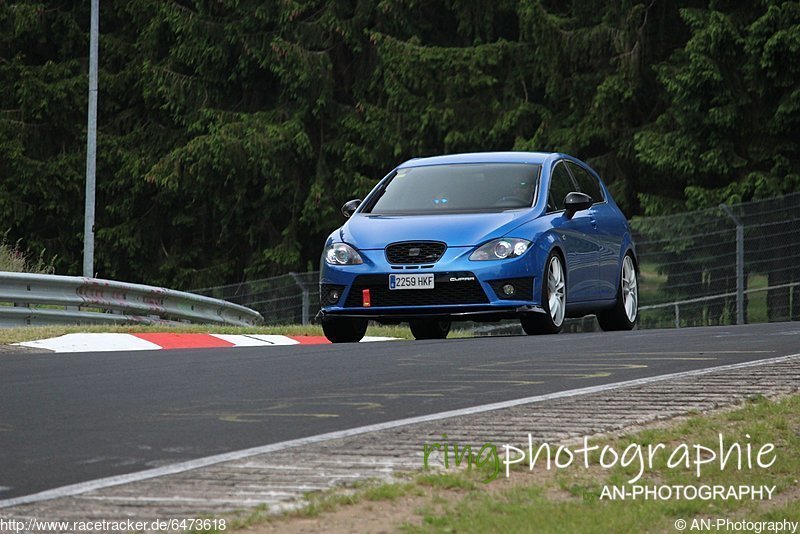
<point x="463" y="289"/>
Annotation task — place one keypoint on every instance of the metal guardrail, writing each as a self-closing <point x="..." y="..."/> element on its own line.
<point x="584" y="324"/>
<point x="676" y="306"/>
<point x="80" y="300"/>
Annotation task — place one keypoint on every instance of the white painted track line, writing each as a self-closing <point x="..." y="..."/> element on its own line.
<point x="275" y="339"/>
<point x="247" y="341"/>
<point x="83" y="487"/>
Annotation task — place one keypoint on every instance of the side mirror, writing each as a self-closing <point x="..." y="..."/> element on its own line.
<point x="575" y="202"/>
<point x="350" y="207"/>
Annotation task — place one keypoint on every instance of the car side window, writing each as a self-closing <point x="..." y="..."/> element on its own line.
<point x="587" y="182"/>
<point x="560" y="185"/>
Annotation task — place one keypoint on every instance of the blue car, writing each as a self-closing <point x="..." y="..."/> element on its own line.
<point x="480" y="237"/>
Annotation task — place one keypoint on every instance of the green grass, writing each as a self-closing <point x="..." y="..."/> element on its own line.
<point x="448" y="481"/>
<point x="651" y="283"/>
<point x="757" y="301"/>
<point x="322" y="502"/>
<point x="571" y="501"/>
<point x="31" y="333"/>
<point x="256" y="516"/>
<point x="14" y="259"/>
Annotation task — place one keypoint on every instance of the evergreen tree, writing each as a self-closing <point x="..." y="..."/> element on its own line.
<point x="230" y="132"/>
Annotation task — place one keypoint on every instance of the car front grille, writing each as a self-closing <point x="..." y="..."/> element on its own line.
<point x="466" y="290"/>
<point x="415" y="252"/>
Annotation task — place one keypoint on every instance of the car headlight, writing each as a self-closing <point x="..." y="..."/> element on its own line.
<point x="342" y="254"/>
<point x="500" y="249"/>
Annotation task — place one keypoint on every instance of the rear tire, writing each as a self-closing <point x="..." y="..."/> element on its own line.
<point x="554" y="300"/>
<point x="344" y="329"/>
<point x="429" y="328"/>
<point x="625" y="312"/>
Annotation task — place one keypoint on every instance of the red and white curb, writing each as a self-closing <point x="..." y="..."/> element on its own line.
<point x="158" y="341"/>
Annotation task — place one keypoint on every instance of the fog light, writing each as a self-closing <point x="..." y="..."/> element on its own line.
<point x="508" y="289"/>
<point x="330" y="294"/>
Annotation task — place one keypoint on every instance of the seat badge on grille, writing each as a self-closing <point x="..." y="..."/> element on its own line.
<point x="414" y="252"/>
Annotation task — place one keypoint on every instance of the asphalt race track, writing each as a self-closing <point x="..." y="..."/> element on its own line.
<point x="68" y="418"/>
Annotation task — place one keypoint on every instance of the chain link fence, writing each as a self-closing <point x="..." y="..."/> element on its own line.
<point x="288" y="299"/>
<point x="726" y="265"/>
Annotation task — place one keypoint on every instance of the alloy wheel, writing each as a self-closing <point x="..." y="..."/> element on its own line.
<point x="630" y="289"/>
<point x="555" y="288"/>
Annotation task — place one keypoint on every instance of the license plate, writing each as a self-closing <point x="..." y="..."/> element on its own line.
<point x="411" y="281"/>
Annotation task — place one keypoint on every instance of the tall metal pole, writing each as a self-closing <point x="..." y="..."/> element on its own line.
<point x="91" y="145"/>
<point x="739" y="263"/>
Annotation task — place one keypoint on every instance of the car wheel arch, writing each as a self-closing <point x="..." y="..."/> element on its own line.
<point x="629" y="251"/>
<point x="563" y="257"/>
<point x="551" y="247"/>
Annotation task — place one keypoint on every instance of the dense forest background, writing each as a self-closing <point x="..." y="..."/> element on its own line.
<point x="231" y="132"/>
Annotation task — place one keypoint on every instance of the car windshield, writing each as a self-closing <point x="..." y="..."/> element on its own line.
<point x="473" y="187"/>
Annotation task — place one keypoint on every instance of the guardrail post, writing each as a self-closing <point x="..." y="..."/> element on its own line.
<point x="306" y="301"/>
<point x="677" y="315"/>
<point x="739" y="263"/>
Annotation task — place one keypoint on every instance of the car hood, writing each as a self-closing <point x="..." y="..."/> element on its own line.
<point x="457" y="229"/>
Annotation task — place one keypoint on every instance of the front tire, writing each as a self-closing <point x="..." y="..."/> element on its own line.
<point x="625" y="312"/>
<point x="429" y="329"/>
<point x="344" y="329"/>
<point x="554" y="300"/>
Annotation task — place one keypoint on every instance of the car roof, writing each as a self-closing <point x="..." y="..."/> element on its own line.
<point x="479" y="157"/>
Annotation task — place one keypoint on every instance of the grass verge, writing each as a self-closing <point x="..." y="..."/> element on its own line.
<point x="569" y="500"/>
